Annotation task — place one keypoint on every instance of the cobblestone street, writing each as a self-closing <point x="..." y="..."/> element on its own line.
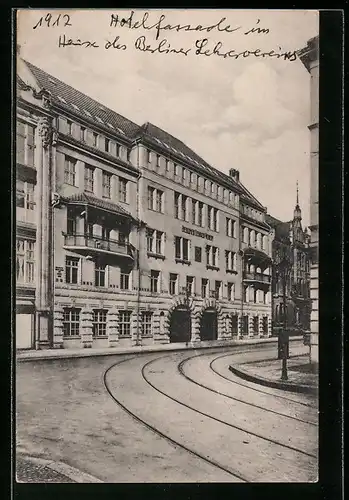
<point x="164" y="417"/>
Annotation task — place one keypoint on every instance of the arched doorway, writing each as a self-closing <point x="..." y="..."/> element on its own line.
<point x="209" y="324"/>
<point x="180" y="325"/>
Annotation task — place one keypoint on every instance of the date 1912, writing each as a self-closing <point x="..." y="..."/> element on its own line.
<point x="50" y="21"/>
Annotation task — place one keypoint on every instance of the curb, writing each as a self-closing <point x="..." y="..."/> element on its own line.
<point x="72" y="473"/>
<point x="285" y="386"/>
<point x="84" y="353"/>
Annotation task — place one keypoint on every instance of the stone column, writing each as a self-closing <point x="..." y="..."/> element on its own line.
<point x="43" y="240"/>
<point x="156" y="326"/>
<point x="86" y="328"/>
<point x="58" y="327"/>
<point x="195" y="328"/>
<point x="112" y="327"/>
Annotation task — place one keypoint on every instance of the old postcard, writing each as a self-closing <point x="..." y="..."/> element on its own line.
<point x="166" y="246"/>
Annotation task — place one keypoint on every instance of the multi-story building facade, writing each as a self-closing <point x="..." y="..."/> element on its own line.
<point x="296" y="240"/>
<point x="309" y="56"/>
<point x="136" y="240"/>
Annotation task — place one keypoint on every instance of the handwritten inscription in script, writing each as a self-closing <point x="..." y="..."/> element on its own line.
<point x="149" y="31"/>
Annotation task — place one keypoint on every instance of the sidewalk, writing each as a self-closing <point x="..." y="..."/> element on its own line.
<point x="302" y="377"/>
<point x="111" y="351"/>
<point x="38" y="470"/>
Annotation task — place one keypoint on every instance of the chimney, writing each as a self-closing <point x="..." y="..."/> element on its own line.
<point x="235" y="174"/>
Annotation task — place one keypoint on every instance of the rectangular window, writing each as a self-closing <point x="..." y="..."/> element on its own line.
<point x="194" y="212"/>
<point x="155" y="241"/>
<point x="230" y="227"/>
<point x="106" y="145"/>
<point x="190" y="285"/>
<point x="159" y="201"/>
<point x="71" y="322"/>
<point x="200" y="214"/>
<point x="218" y="289"/>
<point x="184" y="207"/>
<point x="99" y="323"/>
<point x="184" y="173"/>
<point x="71" y="269"/>
<point x="212" y="254"/>
<point x="105" y="233"/>
<point x="198" y="254"/>
<point x="21" y="142"/>
<point x="82" y="134"/>
<point x="173" y="284"/>
<point x="125" y="279"/>
<point x="148" y="156"/>
<point x="106" y="183"/>
<point x="230" y="260"/>
<point x="231" y="291"/>
<point x="25" y="261"/>
<point x="100" y="274"/>
<point x="158" y="160"/>
<point x="182" y="248"/>
<point x="123" y="190"/>
<point x="71" y="222"/>
<point x="158" y="242"/>
<point x="128" y="154"/>
<point x="154" y="281"/>
<point x="176" y="205"/>
<point x="69" y="170"/>
<point x="204" y="288"/>
<point x="175" y="168"/>
<point x="25" y="143"/>
<point x="69" y="127"/>
<point x="25" y="201"/>
<point x="234" y="324"/>
<point x="95" y="140"/>
<point x="151" y="193"/>
<point x="185" y="249"/>
<point x="89" y="178"/>
<point x="124" y="323"/>
<point x="146" y="324"/>
<point x="150" y="240"/>
<point x="118" y="149"/>
<point x="167" y="165"/>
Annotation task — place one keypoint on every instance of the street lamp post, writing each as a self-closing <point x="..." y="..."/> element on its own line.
<point x="283" y="269"/>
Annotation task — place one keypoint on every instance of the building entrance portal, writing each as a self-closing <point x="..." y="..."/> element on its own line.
<point x="180" y="325"/>
<point x="209" y="325"/>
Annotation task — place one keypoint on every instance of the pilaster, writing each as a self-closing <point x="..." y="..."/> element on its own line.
<point x="112" y="327"/>
<point x="250" y="326"/>
<point x="86" y="328"/>
<point x="58" y="327"/>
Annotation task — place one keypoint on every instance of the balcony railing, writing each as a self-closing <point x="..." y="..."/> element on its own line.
<point x="259" y="277"/>
<point x="96" y="244"/>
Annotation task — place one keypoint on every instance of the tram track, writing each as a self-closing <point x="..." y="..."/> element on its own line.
<point x="190" y="379"/>
<point x="168" y="438"/>
<point x="273" y="441"/>
<point x="279" y="396"/>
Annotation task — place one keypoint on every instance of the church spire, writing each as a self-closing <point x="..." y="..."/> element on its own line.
<point x="297" y="214"/>
<point x="297" y="201"/>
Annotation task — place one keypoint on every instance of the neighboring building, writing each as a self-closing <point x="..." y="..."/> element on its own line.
<point x="296" y="240"/>
<point x="310" y="58"/>
<point x="136" y="240"/>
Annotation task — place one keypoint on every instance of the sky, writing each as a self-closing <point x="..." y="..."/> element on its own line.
<point x="249" y="113"/>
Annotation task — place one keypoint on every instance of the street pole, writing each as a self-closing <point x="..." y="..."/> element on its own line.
<point x="284" y="375"/>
